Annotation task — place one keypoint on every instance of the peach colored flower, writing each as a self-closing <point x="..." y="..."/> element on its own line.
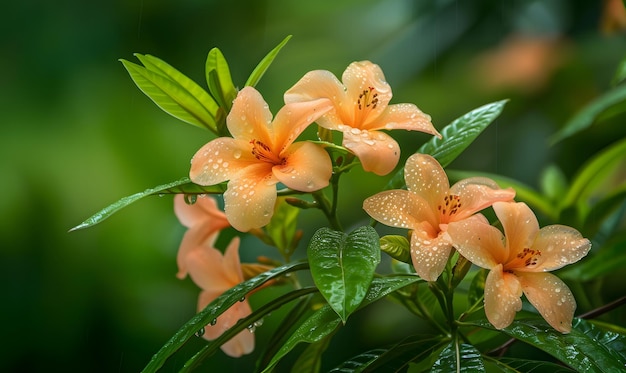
<point x="204" y="220"/>
<point x="261" y="154"/>
<point x="519" y="261"/>
<point x="428" y="206"/>
<point x="215" y="274"/>
<point x="360" y="110"/>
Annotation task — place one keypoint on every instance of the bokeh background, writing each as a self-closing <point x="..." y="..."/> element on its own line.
<point x="77" y="135"/>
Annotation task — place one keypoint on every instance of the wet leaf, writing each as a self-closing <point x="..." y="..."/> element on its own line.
<point x="459" y="358"/>
<point x="397" y="247"/>
<point x="343" y="265"/>
<point x="182" y="186"/>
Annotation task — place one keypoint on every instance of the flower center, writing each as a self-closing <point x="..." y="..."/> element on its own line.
<point x="367" y="101"/>
<point x="526" y="258"/>
<point x="264" y="153"/>
<point x="450" y="206"/>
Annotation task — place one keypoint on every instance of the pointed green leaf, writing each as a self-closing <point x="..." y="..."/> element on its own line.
<point x="343" y="266"/>
<point x="588" y="115"/>
<point x="325" y="320"/>
<point x="397" y="247"/>
<point x="310" y="361"/>
<point x="585" y="348"/>
<point x="216" y="308"/>
<point x="553" y="183"/>
<point x="394" y="359"/>
<point x="182" y="186"/>
<point x="459" y="358"/>
<point x="173" y="92"/>
<point x="282" y="227"/>
<point x="265" y="63"/>
<point x="219" y="80"/>
<point x="514" y="365"/>
<point x="594" y="173"/>
<point x="456" y="136"/>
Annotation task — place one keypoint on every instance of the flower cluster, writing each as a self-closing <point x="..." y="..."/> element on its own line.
<point x="262" y="154"/>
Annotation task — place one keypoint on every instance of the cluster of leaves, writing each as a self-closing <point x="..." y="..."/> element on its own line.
<point x="343" y="265"/>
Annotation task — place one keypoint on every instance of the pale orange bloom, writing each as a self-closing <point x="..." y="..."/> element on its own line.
<point x="204" y="220"/>
<point x="428" y="206"/>
<point x="215" y="273"/>
<point x="361" y="110"/>
<point x="519" y="261"/>
<point x="261" y="154"/>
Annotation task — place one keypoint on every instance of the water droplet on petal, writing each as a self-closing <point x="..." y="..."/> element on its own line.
<point x="237" y="154"/>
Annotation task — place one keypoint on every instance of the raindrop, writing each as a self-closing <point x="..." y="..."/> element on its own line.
<point x="237" y="154"/>
<point x="213" y="322"/>
<point x="225" y="164"/>
<point x="251" y="328"/>
<point x="242" y="299"/>
<point x="200" y="333"/>
<point x="190" y="199"/>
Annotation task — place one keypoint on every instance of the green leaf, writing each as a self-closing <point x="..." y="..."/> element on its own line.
<point x="459" y="358"/>
<point x="553" y="183"/>
<point x="173" y="92"/>
<point x="393" y="359"/>
<point x="609" y="259"/>
<point x="604" y="210"/>
<point x="476" y="290"/>
<point x="522" y="191"/>
<point x="585" y="348"/>
<point x="514" y="365"/>
<point x="177" y="187"/>
<point x="219" y="80"/>
<point x="265" y="63"/>
<point x="456" y="136"/>
<point x="310" y="361"/>
<point x="282" y="228"/>
<point x="592" y="174"/>
<point x="343" y="266"/>
<point x="588" y="115"/>
<point x="620" y="74"/>
<point x="325" y="320"/>
<point x="397" y="247"/>
<point x="213" y="310"/>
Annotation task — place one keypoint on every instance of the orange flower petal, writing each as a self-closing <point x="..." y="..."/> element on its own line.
<point x="559" y="245"/>
<point x="398" y="208"/>
<point x="308" y="167"/>
<point x="502" y="297"/>
<point x="520" y="226"/>
<point x="204" y="209"/>
<point x="478" y="241"/>
<point x="240" y="344"/>
<point x="294" y="118"/>
<point x="249" y="199"/>
<point x="377" y="151"/>
<point x="220" y="160"/>
<point x="551" y="297"/>
<point x="404" y="116"/>
<point x="429" y="255"/>
<point x="425" y="177"/>
<point x="478" y="193"/>
<point x="207" y="270"/>
<point x="249" y="116"/>
<point x="196" y="238"/>
<point x="362" y="79"/>
<point x="319" y="84"/>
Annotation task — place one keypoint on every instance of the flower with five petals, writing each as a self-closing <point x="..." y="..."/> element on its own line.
<point x="215" y="273"/>
<point x="361" y="110"/>
<point x="204" y="221"/>
<point x="428" y="206"/>
<point x="518" y="263"/>
<point x="261" y="154"/>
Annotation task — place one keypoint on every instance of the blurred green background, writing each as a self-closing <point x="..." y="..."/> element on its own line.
<point x="77" y="135"/>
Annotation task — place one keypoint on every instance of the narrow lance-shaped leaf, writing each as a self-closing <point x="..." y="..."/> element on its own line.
<point x="343" y="266"/>
<point x="459" y="358"/>
<point x="325" y="321"/>
<point x="456" y="136"/>
<point x="219" y="80"/>
<point x="213" y="310"/>
<point x="182" y="186"/>
<point x="585" y="348"/>
<point x="588" y="115"/>
<point x="180" y="98"/>
<point x="620" y="73"/>
<point x="265" y="63"/>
